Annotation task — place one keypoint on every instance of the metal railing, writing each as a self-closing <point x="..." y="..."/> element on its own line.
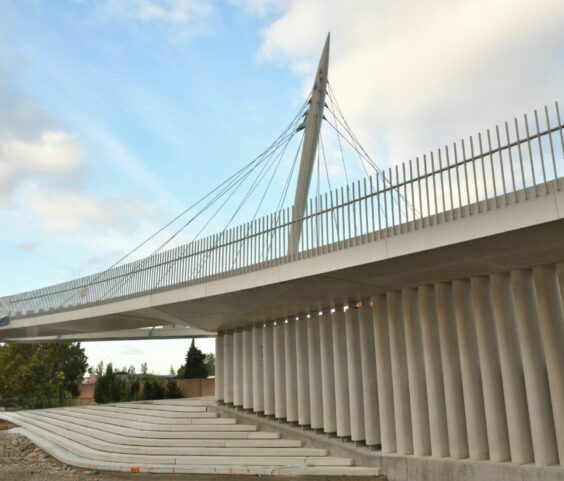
<point x="481" y="173"/>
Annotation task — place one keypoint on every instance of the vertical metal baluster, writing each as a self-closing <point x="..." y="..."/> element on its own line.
<point x="365" y="200"/>
<point x="492" y="167"/>
<point x="340" y="217"/>
<point x="327" y="220"/>
<point x="449" y="172"/>
<point x="560" y="126"/>
<point x="458" y="185"/>
<point x="353" y="201"/>
<point x="379" y="207"/>
<point x="530" y="149"/>
<point x="391" y="191"/>
<point x="315" y="224"/>
<point x="373" y="223"/>
<point x="347" y="202"/>
<point x="419" y="183"/>
<point x="398" y="200"/>
<point x="541" y="151"/>
<point x="521" y="157"/>
<point x="551" y="146"/>
<point x="434" y="187"/>
<point x="230" y="261"/>
<point x="307" y="229"/>
<point x="250" y="245"/>
<point x="466" y="176"/>
<point x="501" y="164"/>
<point x="334" y="238"/>
<point x="359" y="202"/>
<point x="405" y="201"/>
<point x="412" y="188"/>
<point x="441" y="173"/>
<point x="484" y="175"/>
<point x="473" y="157"/>
<point x="508" y="140"/>
<point x="273" y="243"/>
<point x="429" y="221"/>
<point x="385" y="194"/>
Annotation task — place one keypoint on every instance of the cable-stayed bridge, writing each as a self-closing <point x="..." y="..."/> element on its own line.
<point x="417" y="310"/>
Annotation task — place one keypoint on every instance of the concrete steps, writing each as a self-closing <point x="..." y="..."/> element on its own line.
<point x="172" y="436"/>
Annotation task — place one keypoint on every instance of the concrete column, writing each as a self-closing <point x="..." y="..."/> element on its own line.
<point x="402" y="409"/>
<point x="228" y="367"/>
<point x="520" y="441"/>
<point x="369" y="376"/>
<point x="416" y="374"/>
<point x="268" y="367"/>
<point x="354" y="372"/>
<point x="291" y="371"/>
<point x="433" y="372"/>
<point x="450" y="361"/>
<point x="219" y="378"/>
<point x="247" y="369"/>
<point x="534" y="368"/>
<point x="314" y="375"/>
<point x="492" y="384"/>
<point x="551" y="314"/>
<point x="327" y="373"/>
<point x="470" y="368"/>
<point x="238" y="368"/>
<point x="341" y="373"/>
<point x="258" y="371"/>
<point x="279" y="371"/>
<point x="384" y="375"/>
<point x="304" y="411"/>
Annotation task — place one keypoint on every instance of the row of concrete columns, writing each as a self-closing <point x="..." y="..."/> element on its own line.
<point x="465" y="369"/>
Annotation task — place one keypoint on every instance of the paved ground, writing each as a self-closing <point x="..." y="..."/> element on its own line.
<point x="22" y="460"/>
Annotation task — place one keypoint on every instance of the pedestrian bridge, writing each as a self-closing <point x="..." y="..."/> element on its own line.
<point x="417" y="311"/>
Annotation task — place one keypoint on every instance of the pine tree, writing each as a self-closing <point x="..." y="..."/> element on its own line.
<point x="195" y="363"/>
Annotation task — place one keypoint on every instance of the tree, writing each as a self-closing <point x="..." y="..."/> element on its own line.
<point x="40" y="375"/>
<point x="195" y="363"/>
<point x="99" y="371"/>
<point x="152" y="389"/>
<point x="209" y="361"/>
<point x="109" y="387"/>
<point x="172" y="390"/>
<point x="144" y="368"/>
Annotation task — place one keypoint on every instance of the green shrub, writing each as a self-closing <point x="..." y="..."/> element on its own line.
<point x="109" y="387"/>
<point x="152" y="389"/>
<point x="172" y="390"/>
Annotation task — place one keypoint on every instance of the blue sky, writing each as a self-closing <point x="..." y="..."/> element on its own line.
<point x="117" y="114"/>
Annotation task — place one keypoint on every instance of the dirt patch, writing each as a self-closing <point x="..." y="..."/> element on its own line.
<point x="5" y="425"/>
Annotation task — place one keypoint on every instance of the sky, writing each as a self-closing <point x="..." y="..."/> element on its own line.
<point x="115" y="115"/>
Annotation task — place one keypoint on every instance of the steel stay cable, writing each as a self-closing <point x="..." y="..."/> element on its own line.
<point x="235" y="180"/>
<point x="283" y="197"/>
<point x="229" y="181"/>
<point x="253" y="187"/>
<point x="237" y="184"/>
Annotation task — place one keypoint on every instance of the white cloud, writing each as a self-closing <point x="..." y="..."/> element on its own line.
<point x="412" y="75"/>
<point x="180" y="19"/>
<point x="51" y="154"/>
<point x="63" y="211"/>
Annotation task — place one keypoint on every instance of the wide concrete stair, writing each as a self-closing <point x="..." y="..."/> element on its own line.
<point x="176" y="436"/>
